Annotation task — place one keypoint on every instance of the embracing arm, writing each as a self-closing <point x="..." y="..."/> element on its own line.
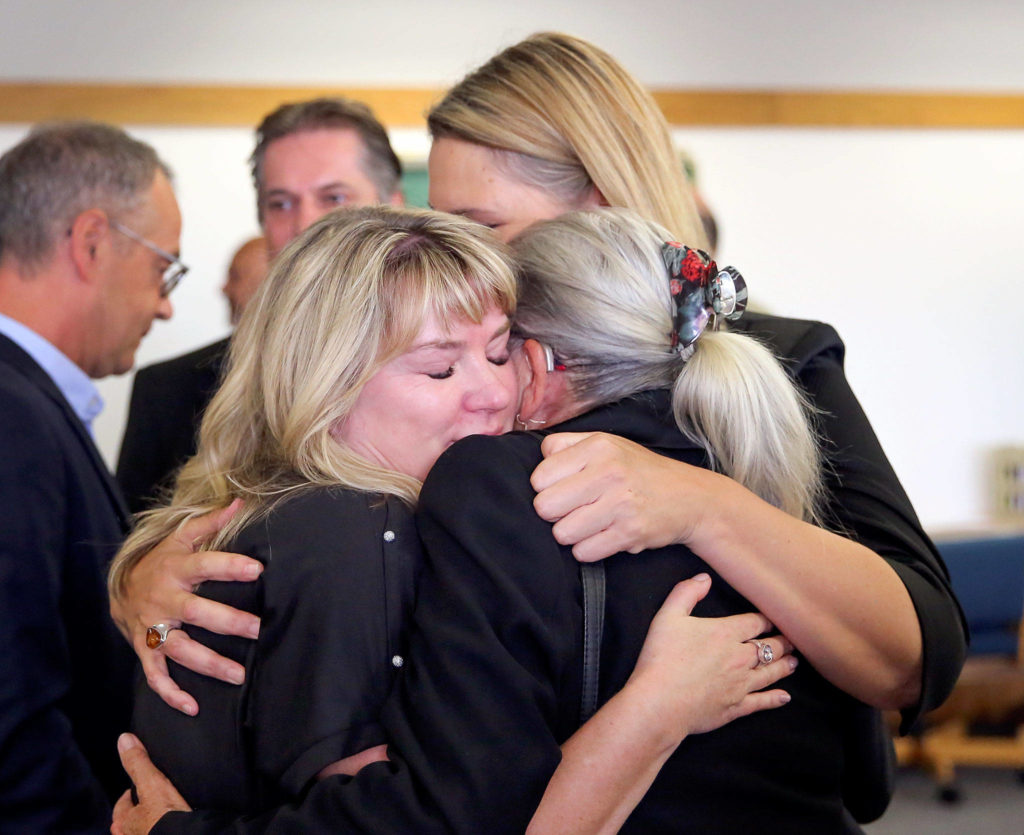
<point x="610" y="762"/>
<point x="159" y="589"/>
<point x="844" y="608"/>
<point x="471" y="722"/>
<point x="873" y="612"/>
<point x="606" y="766"/>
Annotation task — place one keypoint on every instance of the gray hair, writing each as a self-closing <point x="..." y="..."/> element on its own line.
<point x="380" y="163"/>
<point x="57" y="172"/>
<point x="594" y="288"/>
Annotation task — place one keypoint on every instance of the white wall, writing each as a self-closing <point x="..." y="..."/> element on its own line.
<point x="902" y="239"/>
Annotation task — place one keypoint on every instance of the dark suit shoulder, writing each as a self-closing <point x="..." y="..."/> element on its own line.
<point x="167" y="403"/>
<point x="23" y="402"/>
<point x="205" y="361"/>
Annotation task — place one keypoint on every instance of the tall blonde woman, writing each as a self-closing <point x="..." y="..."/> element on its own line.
<point x="554" y="123"/>
<point x="379" y="340"/>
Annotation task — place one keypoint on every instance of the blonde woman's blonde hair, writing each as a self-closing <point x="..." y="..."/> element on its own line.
<point x="594" y="288"/>
<point x="571" y="118"/>
<point x="347" y="296"/>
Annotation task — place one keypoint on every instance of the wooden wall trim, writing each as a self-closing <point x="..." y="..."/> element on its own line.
<point x="153" y="104"/>
<point x="843" y="110"/>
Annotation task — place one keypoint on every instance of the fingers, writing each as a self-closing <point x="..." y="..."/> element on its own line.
<point x="559" y="441"/>
<point x="685" y="595"/>
<point x="577" y="515"/>
<point x="188" y="653"/>
<point x="562" y="494"/>
<point x="219" y="565"/>
<point x="218" y="617"/>
<point x="121" y="809"/>
<point x="154" y="665"/>
<point x="134" y="759"/>
<point x="599" y="546"/>
<point x="199" y="530"/>
<point x="763" y="700"/>
<point x="774" y="648"/>
<point x="750" y="625"/>
<point x="768" y="674"/>
<point x="156" y="795"/>
<point x="565" y="454"/>
<point x="201" y="659"/>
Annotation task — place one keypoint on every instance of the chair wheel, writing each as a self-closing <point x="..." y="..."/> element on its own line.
<point x="950" y="794"/>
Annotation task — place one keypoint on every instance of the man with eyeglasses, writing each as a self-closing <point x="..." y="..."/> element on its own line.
<point x="89" y="230"/>
<point x="310" y="157"/>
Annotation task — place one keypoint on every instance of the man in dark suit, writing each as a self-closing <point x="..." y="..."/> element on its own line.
<point x="88" y="230"/>
<point x="310" y="157"/>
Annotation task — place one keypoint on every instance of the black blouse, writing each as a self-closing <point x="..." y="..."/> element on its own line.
<point x="335" y="601"/>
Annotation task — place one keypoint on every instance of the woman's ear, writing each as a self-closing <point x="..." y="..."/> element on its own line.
<point x="594" y="199"/>
<point x="535" y="380"/>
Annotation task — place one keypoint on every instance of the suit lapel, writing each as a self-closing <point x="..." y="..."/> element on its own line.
<point x="20" y="361"/>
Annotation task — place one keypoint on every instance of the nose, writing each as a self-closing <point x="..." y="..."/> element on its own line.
<point x="164" y="310"/>
<point x="493" y="389"/>
<point x="307" y="214"/>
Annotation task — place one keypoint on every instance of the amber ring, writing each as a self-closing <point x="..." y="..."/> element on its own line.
<point x="765" y="654"/>
<point x="157" y="634"/>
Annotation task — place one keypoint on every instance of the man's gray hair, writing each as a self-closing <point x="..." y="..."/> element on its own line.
<point x="60" y="170"/>
<point x="380" y="162"/>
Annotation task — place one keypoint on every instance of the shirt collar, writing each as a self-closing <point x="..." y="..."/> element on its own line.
<point x="80" y="392"/>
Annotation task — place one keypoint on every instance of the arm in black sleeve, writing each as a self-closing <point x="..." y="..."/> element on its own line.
<point x="866" y="502"/>
<point x="46" y="784"/>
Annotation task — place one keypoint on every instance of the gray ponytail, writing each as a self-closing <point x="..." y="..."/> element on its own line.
<point x="594" y="288"/>
<point x="735" y="400"/>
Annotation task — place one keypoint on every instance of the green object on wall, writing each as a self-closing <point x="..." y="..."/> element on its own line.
<point x="414" y="186"/>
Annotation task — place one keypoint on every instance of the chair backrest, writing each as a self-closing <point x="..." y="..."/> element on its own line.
<point x="988" y="578"/>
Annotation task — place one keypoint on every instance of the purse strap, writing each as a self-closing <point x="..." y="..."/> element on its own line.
<point x="592" y="575"/>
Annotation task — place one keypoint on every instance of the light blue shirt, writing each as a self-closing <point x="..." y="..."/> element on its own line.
<point x="72" y="381"/>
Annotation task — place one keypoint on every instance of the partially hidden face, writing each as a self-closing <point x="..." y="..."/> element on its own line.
<point x="308" y="174"/>
<point x="448" y="385"/>
<point x="245" y="274"/>
<point x="468" y="180"/>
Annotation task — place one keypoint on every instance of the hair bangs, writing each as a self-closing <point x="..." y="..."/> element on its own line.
<point x="440" y="276"/>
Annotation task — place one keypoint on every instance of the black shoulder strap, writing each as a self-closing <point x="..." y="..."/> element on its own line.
<point x="592" y="575"/>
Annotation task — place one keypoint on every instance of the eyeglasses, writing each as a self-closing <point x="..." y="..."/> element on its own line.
<point x="175" y="270"/>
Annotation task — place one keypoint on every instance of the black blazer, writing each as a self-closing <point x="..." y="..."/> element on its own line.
<point x="65" y="674"/>
<point x="167" y="405"/>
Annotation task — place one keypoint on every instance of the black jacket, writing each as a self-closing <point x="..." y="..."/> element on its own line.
<point x="167" y="405"/>
<point x="65" y="673"/>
